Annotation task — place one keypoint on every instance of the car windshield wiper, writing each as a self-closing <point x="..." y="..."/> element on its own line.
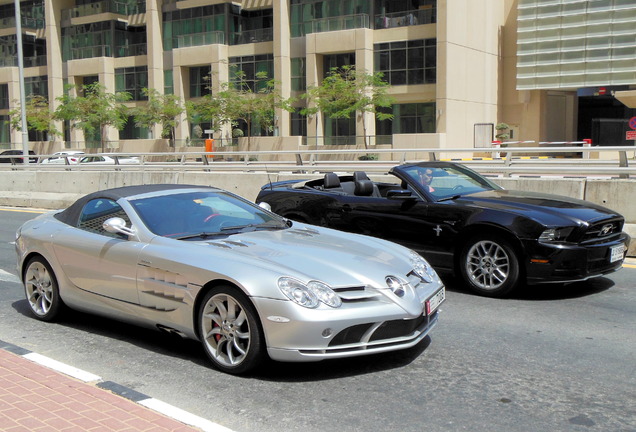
<point x="254" y="227"/>
<point x="203" y="235"/>
<point x="450" y="198"/>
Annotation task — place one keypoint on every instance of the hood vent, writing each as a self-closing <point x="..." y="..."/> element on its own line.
<point x="304" y="232"/>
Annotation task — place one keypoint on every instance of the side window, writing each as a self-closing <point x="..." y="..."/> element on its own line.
<point x="96" y="211"/>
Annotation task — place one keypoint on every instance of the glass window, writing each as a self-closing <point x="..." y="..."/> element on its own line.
<point x="132" y="131"/>
<point x="200" y="81"/>
<point x="298" y="124"/>
<point x="36" y="86"/>
<point x="407" y="62"/>
<point x="194" y="26"/>
<point x="4" y="96"/>
<point x="96" y="212"/>
<point x="187" y="215"/>
<point x="5" y="129"/>
<point x="298" y="74"/>
<point x="409" y="118"/>
<point x="132" y="80"/>
<point x="168" y="82"/>
<point x="250" y="66"/>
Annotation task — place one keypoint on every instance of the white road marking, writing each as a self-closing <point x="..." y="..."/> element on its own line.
<point x="8" y="277"/>
<point x="183" y="416"/>
<point x="61" y="367"/>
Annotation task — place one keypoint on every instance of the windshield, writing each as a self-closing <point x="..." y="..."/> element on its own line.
<point x="202" y="214"/>
<point x="444" y="182"/>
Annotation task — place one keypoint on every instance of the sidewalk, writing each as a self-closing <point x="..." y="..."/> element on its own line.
<point x="35" y="398"/>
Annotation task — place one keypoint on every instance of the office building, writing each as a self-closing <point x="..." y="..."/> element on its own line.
<point x="553" y="70"/>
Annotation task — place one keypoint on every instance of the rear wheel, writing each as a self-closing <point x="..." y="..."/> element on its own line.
<point x="41" y="290"/>
<point x="230" y="331"/>
<point x="489" y="266"/>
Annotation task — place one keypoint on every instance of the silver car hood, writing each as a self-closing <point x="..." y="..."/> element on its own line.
<point x="310" y="251"/>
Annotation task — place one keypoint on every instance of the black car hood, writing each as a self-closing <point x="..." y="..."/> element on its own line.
<point x="546" y="208"/>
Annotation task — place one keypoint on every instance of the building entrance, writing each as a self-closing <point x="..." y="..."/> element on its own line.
<point x="604" y="119"/>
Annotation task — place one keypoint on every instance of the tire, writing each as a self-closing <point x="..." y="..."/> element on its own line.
<point x="230" y="331"/>
<point x="489" y="266"/>
<point x="41" y="290"/>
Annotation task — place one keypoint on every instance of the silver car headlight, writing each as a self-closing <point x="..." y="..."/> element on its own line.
<point x="552" y="235"/>
<point x="422" y="268"/>
<point x="309" y="295"/>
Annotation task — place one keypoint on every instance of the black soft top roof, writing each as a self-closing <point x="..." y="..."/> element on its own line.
<point x="71" y="215"/>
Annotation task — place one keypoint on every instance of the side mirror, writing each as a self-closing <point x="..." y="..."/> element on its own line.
<point x="117" y="225"/>
<point x="265" y="205"/>
<point x="400" y="195"/>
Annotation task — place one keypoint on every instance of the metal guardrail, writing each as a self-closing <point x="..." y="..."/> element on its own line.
<point x="319" y="161"/>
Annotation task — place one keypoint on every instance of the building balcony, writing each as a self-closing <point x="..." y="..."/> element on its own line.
<point x="347" y="22"/>
<point x="252" y="36"/>
<point x="406" y="18"/>
<point x="30" y="23"/>
<point x="28" y="61"/>
<point x="199" y="39"/>
<point x="106" y="6"/>
<point x="131" y="50"/>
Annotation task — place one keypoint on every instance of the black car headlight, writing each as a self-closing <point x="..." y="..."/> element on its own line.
<point x="555" y="235"/>
<point x="309" y="295"/>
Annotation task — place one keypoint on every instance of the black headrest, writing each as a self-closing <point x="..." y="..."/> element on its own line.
<point x="331" y="180"/>
<point x="363" y="188"/>
<point x="360" y="175"/>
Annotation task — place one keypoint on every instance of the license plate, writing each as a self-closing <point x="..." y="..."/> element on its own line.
<point x="433" y="303"/>
<point x="617" y="252"/>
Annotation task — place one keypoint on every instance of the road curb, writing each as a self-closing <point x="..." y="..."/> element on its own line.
<point x="118" y="389"/>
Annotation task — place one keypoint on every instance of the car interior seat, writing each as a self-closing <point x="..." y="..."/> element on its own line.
<point x="364" y="186"/>
<point x="360" y="175"/>
<point x="331" y="181"/>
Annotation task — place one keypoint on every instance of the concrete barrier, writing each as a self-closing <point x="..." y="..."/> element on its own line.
<point x="58" y="189"/>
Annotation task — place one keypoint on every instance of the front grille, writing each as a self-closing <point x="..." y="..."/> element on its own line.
<point x="604" y="230"/>
<point x="356" y="294"/>
<point x="350" y="335"/>
<point x="398" y="328"/>
<point x="385" y="331"/>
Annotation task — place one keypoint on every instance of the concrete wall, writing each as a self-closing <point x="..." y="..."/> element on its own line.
<point x="58" y="189"/>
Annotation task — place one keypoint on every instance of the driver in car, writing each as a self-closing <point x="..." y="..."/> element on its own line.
<point x="425" y="178"/>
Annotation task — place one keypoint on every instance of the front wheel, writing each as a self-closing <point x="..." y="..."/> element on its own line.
<point x="230" y="331"/>
<point x="489" y="266"/>
<point x="41" y="290"/>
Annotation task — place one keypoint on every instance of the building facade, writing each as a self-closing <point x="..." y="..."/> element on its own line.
<point x="456" y="67"/>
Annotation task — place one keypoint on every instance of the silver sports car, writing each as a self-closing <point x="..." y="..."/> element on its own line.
<point x="206" y="264"/>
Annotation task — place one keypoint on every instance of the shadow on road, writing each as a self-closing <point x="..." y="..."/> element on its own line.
<point x="192" y="351"/>
<point x="541" y="292"/>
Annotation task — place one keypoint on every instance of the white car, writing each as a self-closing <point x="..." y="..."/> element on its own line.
<point x="61" y="157"/>
<point x="109" y="160"/>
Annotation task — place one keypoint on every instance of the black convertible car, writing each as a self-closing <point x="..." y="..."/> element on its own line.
<point x="460" y="221"/>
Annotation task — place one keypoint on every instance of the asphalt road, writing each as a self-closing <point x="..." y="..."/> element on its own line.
<point x="555" y="358"/>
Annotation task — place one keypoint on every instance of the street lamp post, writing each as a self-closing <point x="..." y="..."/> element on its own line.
<point x="25" y="132"/>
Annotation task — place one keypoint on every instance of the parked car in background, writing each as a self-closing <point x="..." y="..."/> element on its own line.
<point x="460" y="221"/>
<point x="16" y="160"/>
<point x="61" y="157"/>
<point x="206" y="264"/>
<point x="109" y="160"/>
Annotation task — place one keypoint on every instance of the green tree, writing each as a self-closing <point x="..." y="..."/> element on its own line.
<point x="253" y="102"/>
<point x="209" y="108"/>
<point x="93" y="110"/>
<point x="163" y="110"/>
<point x="39" y="117"/>
<point x="346" y="91"/>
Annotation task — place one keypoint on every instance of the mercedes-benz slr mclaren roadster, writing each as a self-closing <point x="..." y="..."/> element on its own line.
<point x="209" y="265"/>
